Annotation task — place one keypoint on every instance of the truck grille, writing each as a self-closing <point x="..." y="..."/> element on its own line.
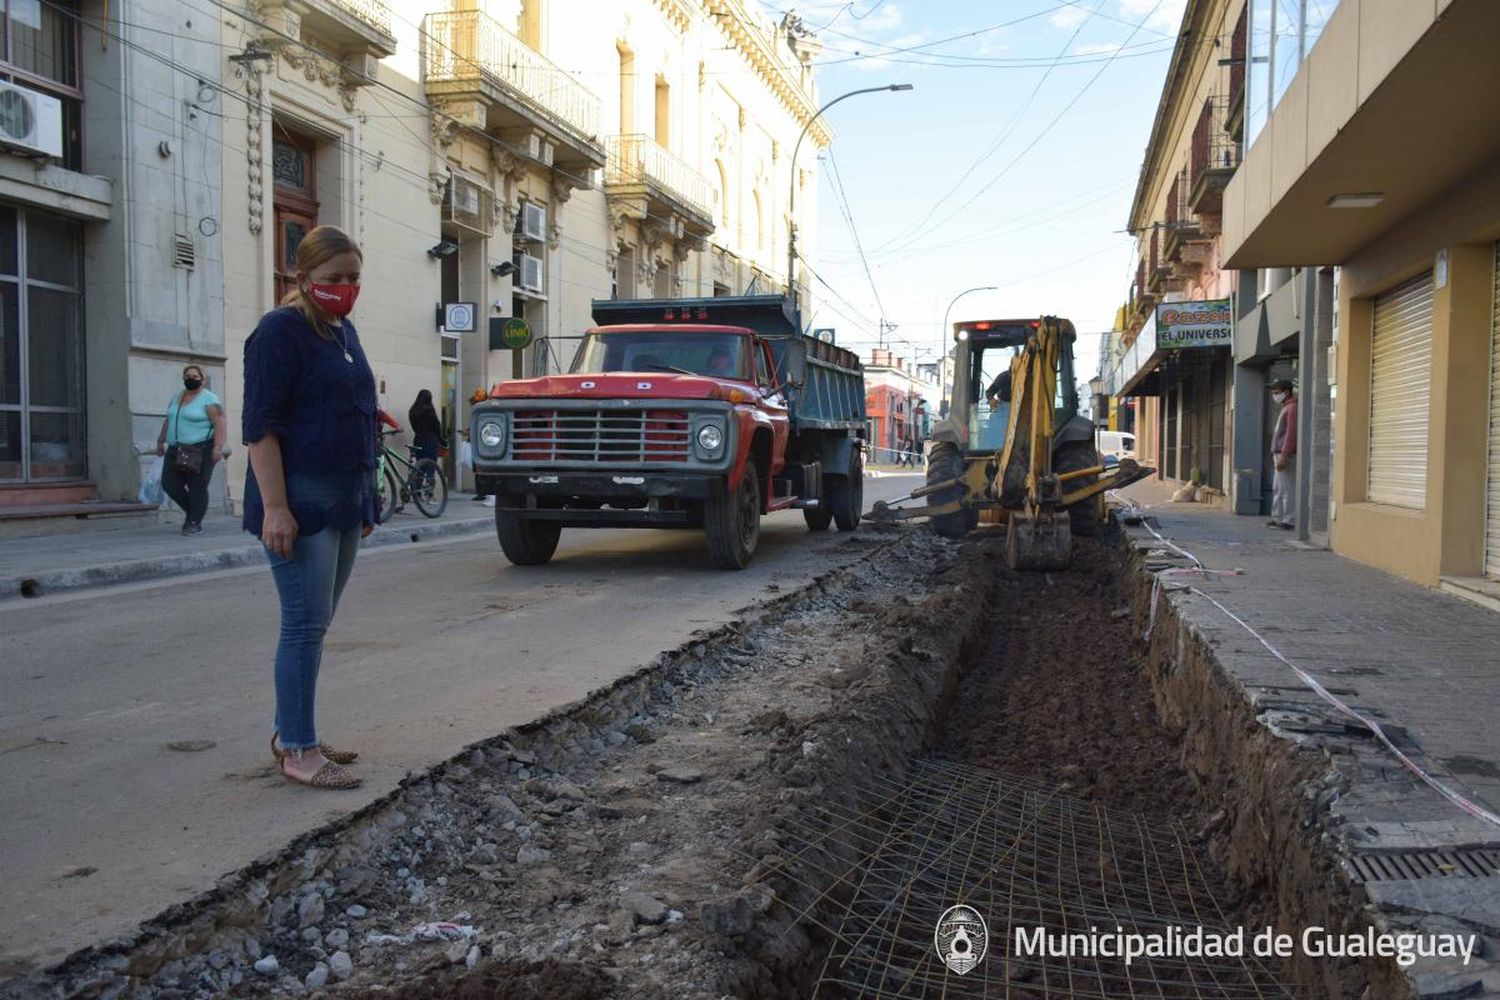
<point x="601" y="436"/>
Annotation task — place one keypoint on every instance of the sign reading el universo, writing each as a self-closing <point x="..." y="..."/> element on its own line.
<point x="1195" y="324"/>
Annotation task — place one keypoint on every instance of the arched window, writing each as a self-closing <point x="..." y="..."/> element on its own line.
<point x="760" y="223"/>
<point x="723" y="193"/>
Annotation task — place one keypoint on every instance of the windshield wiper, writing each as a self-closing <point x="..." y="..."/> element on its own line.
<point x="670" y="368"/>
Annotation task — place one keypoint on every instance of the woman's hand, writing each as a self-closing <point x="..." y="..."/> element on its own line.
<point x="368" y="528"/>
<point x="278" y="531"/>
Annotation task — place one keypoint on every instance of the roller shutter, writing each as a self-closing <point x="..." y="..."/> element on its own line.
<point x="1400" y="394"/>
<point x="1492" y="521"/>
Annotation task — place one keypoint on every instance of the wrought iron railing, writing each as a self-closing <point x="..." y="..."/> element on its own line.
<point x="375" y="13"/>
<point x="1213" y="147"/>
<point x="636" y="159"/>
<point x="469" y="45"/>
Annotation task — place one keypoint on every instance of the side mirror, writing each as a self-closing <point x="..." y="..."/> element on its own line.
<point x="794" y="364"/>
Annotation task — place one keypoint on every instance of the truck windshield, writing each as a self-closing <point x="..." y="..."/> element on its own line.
<point x="718" y="355"/>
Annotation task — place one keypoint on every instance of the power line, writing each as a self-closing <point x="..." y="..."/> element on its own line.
<point x="838" y="186"/>
<point x="1052" y="122"/>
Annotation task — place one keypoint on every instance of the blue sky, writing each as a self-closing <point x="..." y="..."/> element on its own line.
<point x="999" y="168"/>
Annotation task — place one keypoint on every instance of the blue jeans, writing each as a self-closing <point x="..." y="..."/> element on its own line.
<point x="309" y="584"/>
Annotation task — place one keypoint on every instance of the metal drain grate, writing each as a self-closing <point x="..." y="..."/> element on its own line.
<point x="1025" y="857"/>
<point x="1475" y="863"/>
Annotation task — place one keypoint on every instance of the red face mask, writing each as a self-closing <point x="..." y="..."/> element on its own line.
<point x="336" y="300"/>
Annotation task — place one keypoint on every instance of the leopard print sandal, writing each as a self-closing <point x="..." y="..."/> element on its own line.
<point x="336" y="756"/>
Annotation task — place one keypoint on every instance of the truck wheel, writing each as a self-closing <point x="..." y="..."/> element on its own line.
<point x="1085" y="515"/>
<point x="944" y="463"/>
<point x="732" y="522"/>
<point x="526" y="542"/>
<point x="820" y="517"/>
<point x="846" y="495"/>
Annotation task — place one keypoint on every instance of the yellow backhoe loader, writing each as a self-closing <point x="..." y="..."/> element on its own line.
<point x="1014" y="449"/>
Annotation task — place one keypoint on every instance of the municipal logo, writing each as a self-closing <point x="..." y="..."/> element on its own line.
<point x="961" y="938"/>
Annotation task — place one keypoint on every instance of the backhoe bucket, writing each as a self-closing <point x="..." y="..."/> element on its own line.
<point x="1038" y="541"/>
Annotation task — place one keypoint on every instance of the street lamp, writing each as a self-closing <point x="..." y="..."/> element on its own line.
<point x="943" y="356"/>
<point x="791" y="241"/>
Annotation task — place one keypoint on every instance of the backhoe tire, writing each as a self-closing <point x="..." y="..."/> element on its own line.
<point x="820" y="517"/>
<point x="732" y="522"/>
<point x="1086" y="516"/>
<point x="526" y="542"/>
<point x="846" y="495"/>
<point x="943" y="463"/>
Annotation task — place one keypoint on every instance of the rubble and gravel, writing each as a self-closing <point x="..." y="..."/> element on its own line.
<point x="605" y="849"/>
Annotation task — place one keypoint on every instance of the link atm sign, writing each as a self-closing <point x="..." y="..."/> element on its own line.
<point x="1194" y="324"/>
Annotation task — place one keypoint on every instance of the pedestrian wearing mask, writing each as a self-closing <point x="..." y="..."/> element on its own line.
<point x="1284" y="454"/>
<point x="309" y="424"/>
<point x="191" y="438"/>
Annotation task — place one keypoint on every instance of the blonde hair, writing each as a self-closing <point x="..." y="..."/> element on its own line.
<point x="318" y="247"/>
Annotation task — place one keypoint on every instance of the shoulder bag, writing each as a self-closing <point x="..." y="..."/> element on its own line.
<point x="187" y="459"/>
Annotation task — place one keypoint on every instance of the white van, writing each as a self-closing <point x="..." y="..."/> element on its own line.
<point x="1115" y="445"/>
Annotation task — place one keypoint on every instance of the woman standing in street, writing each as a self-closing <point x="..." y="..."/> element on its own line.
<point x="426" y="429"/>
<point x="191" y="438"/>
<point x="309" y="424"/>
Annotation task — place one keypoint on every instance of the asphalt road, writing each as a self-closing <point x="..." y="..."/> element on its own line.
<point x="134" y="722"/>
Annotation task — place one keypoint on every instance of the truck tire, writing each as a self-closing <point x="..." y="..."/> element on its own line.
<point x="732" y="522"/>
<point x="820" y="517"/>
<point x="1086" y="515"/>
<point x="846" y="495"/>
<point x="526" y="542"/>
<point x="944" y="463"/>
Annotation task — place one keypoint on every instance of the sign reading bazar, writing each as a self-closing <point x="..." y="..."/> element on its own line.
<point x="1194" y="324"/>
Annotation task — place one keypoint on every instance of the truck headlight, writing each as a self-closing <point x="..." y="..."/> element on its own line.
<point x="492" y="433"/>
<point x="710" y="437"/>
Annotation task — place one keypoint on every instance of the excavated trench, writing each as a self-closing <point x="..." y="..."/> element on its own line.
<point x="785" y="806"/>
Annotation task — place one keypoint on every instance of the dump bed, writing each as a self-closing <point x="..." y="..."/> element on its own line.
<point x="833" y="392"/>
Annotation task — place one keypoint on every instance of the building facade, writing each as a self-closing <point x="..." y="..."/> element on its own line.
<point x="1173" y="390"/>
<point x="513" y="158"/>
<point x="897" y="404"/>
<point x="1374" y="149"/>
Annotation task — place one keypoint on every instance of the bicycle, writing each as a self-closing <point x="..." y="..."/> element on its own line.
<point x="400" y="478"/>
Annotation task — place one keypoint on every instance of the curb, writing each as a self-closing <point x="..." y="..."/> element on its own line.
<point x="184" y="564"/>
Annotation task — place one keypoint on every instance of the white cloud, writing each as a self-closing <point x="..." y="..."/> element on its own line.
<point x="873" y="59"/>
<point x="1097" y="49"/>
<point x="1068" y="18"/>
<point x="1167" y="17"/>
<point x="886" y="17"/>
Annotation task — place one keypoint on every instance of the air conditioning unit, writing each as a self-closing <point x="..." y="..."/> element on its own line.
<point x="529" y="275"/>
<point x="531" y="224"/>
<point x="30" y="121"/>
<point x="467" y="205"/>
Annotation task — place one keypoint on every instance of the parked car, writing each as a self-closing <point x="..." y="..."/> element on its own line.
<point x="1115" y="445"/>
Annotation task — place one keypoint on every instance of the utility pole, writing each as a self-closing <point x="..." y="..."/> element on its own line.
<point x="886" y="327"/>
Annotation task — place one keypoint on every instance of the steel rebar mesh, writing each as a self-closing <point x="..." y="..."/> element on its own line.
<point x="1025" y="857"/>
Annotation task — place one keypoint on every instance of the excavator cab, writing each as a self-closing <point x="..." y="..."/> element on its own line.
<point x="1013" y="449"/>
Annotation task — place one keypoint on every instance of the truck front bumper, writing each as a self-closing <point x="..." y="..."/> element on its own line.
<point x="581" y="499"/>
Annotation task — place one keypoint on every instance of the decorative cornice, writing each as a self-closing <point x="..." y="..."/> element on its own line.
<point x="677" y="13"/>
<point x="738" y="25"/>
<point x="317" y="69"/>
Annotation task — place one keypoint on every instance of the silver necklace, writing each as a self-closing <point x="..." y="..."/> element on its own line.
<point x="344" y="340"/>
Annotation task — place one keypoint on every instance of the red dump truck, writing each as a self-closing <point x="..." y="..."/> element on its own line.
<point x="677" y="413"/>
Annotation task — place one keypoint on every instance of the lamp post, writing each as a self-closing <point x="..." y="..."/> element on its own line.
<point x="943" y="355"/>
<point x="791" y="241"/>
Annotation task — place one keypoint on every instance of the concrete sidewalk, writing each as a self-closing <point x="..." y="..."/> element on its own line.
<point x="51" y="564"/>
<point x="1422" y="665"/>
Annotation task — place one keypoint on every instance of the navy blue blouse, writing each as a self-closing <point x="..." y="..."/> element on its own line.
<point x="321" y="407"/>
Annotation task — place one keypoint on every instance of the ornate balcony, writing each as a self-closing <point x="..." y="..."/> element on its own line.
<point x="511" y="89"/>
<point x="645" y="180"/>
<point x="360" y="30"/>
<point x="1215" y="157"/>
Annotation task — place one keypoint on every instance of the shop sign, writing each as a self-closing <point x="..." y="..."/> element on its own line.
<point x="1194" y="324"/>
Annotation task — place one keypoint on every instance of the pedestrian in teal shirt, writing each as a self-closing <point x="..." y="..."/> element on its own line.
<point x="191" y="438"/>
